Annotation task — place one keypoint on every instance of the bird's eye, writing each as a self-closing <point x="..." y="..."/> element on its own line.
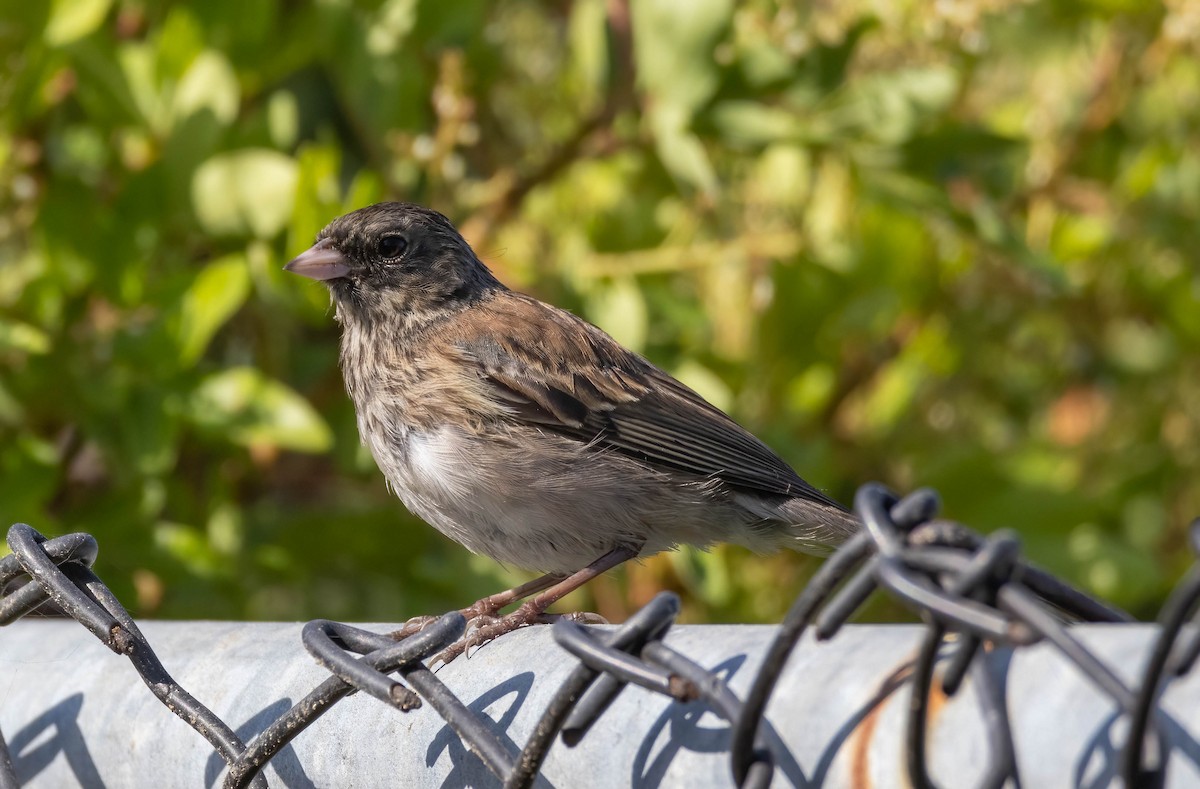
<point x="392" y="247"/>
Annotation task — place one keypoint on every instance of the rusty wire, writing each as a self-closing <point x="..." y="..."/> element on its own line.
<point x="972" y="592"/>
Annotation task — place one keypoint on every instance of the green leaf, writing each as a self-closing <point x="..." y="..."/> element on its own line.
<point x="753" y="123"/>
<point x="29" y="473"/>
<point x="215" y="295"/>
<point x="876" y="409"/>
<point x="139" y="73"/>
<point x="149" y="431"/>
<point x="1138" y="346"/>
<point x="588" y="34"/>
<point x="620" y="309"/>
<point x="12" y="413"/>
<point x="1110" y="568"/>
<point x="705" y="573"/>
<point x="1040" y="467"/>
<point x="247" y="192"/>
<point x="680" y="150"/>
<point x="71" y="20"/>
<point x="707" y="383"/>
<point x="250" y="409"/>
<point x="189" y="546"/>
<point x="209" y="84"/>
<point x="673" y="43"/>
<point x="318" y="196"/>
<point x="283" y="118"/>
<point x="180" y="40"/>
<point x="17" y="336"/>
<point x="391" y="26"/>
<point x="811" y="391"/>
<point x="890" y="107"/>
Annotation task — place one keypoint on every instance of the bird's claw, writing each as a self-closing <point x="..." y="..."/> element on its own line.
<point x="421" y="622"/>
<point x="478" y="634"/>
<point x="412" y="627"/>
<point x="477" y="623"/>
<point x="482" y="630"/>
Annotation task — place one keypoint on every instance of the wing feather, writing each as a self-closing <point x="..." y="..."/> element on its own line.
<point x="581" y="383"/>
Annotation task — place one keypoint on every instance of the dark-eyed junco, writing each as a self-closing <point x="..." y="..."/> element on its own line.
<point x="529" y="435"/>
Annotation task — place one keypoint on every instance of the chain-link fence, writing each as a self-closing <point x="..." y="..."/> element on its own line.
<point x="982" y="606"/>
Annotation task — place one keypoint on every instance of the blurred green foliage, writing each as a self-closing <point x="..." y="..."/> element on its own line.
<point x="945" y="244"/>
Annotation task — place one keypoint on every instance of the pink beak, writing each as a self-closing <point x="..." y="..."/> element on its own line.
<point x="320" y="262"/>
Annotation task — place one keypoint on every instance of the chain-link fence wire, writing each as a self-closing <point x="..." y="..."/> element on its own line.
<point x="971" y="592"/>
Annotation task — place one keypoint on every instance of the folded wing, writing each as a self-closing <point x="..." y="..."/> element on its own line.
<point x="562" y="374"/>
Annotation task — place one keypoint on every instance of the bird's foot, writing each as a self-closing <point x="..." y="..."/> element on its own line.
<point x="412" y="627"/>
<point x="489" y="607"/>
<point x="478" y="614"/>
<point x="485" y="613"/>
<point x="545" y="591"/>
<point x="484" y="629"/>
<point x="475" y="624"/>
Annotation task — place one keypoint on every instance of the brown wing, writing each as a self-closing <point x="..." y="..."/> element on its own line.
<point x="557" y="371"/>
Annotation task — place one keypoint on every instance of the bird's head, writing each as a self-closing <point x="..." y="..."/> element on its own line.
<point x="394" y="257"/>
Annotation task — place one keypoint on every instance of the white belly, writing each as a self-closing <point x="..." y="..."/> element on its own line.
<point x="555" y="509"/>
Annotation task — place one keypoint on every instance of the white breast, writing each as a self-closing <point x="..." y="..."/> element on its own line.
<point x="437" y="465"/>
<point x="554" y="507"/>
<point x="442" y="480"/>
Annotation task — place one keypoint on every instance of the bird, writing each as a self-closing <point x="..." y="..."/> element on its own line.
<point x="527" y="434"/>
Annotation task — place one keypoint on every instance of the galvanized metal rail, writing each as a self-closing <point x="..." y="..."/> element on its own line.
<point x="996" y="688"/>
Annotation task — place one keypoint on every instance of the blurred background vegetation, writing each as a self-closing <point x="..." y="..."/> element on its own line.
<point x="947" y="244"/>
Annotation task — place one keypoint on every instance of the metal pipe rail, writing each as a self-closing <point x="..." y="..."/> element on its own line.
<point x="70" y="717"/>
<point x="995" y="688"/>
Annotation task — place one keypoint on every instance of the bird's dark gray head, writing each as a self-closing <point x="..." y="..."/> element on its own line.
<point x="394" y="256"/>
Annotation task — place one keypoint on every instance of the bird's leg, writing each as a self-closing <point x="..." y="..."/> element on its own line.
<point x="491" y="604"/>
<point x="486" y="607"/>
<point x="532" y="609"/>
